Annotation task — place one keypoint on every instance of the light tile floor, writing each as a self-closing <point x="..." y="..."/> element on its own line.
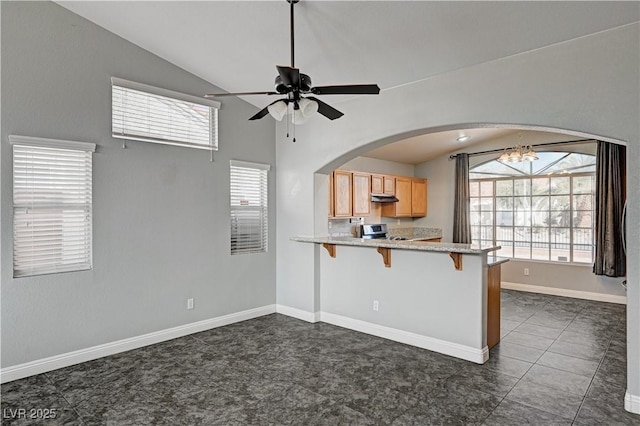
<point x="561" y="362"/>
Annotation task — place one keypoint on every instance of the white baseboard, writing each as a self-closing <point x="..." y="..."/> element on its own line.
<point x="298" y="313"/>
<point x="479" y="356"/>
<point x="40" y="366"/>
<point x="576" y="294"/>
<point x="632" y="403"/>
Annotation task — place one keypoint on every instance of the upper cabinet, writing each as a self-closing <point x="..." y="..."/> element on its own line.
<point x="389" y="185"/>
<point x="418" y="197"/>
<point x="412" y="198"/>
<point x="377" y="184"/>
<point x="361" y="194"/>
<point x="342" y="204"/>
<point x="382" y="184"/>
<point x="350" y="195"/>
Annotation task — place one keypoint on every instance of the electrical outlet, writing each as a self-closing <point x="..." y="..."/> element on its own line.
<point x="189" y="303"/>
<point x="376" y="305"/>
<point x="526" y="271"/>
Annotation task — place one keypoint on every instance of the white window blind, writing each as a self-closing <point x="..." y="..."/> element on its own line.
<point x="151" y="114"/>
<point x="248" y="207"/>
<point x="52" y="185"/>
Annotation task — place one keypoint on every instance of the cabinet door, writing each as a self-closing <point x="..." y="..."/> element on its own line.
<point x="403" y="193"/>
<point x="361" y="194"/>
<point x="389" y="185"/>
<point x="342" y="193"/>
<point x="331" y="197"/>
<point x="377" y="185"/>
<point x="418" y="197"/>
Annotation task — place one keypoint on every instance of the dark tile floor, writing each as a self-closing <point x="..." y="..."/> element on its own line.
<point x="561" y="361"/>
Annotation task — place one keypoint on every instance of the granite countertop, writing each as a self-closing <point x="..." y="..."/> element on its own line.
<point x="397" y="244"/>
<point x="493" y="260"/>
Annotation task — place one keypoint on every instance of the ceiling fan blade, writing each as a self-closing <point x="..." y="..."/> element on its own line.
<point x="290" y="76"/>
<point x="347" y="89"/>
<point x="264" y="111"/>
<point x="218" y="95"/>
<point x="325" y="109"/>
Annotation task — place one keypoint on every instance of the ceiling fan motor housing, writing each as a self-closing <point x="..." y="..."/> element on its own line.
<point x="305" y="85"/>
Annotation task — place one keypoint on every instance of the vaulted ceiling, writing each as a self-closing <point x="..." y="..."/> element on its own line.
<point x="235" y="45"/>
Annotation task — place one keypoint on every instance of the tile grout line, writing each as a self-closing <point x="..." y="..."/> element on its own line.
<point x="591" y="381"/>
<point x="536" y="363"/>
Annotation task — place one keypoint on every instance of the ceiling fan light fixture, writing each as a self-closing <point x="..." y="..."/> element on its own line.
<point x="308" y="107"/>
<point x="298" y="117"/>
<point x="278" y="110"/>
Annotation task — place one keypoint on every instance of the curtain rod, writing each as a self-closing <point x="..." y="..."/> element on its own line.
<point x="491" y="151"/>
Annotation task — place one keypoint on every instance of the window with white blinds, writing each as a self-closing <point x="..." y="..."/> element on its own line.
<point x="151" y="114"/>
<point x="52" y="185"/>
<point x="248" y="207"/>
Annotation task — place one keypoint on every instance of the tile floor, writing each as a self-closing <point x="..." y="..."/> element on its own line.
<point x="561" y="362"/>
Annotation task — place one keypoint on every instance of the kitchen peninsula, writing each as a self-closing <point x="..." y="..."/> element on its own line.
<point x="430" y="295"/>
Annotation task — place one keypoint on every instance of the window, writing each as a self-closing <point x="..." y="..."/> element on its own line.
<point x="248" y="207"/>
<point x="51" y="206"/>
<point x="540" y="210"/>
<point x="150" y="114"/>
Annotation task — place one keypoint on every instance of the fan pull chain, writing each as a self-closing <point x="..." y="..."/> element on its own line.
<point x="287" y="121"/>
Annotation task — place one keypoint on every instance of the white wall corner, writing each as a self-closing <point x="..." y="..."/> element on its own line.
<point x="576" y="294"/>
<point x="44" y="365"/>
<point x="632" y="403"/>
<point x="477" y="355"/>
<point x="298" y="313"/>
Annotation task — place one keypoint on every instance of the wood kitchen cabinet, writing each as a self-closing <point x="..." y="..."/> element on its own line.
<point x="331" y="197"/>
<point x="377" y="184"/>
<point x="361" y="194"/>
<point x="412" y="196"/>
<point x="342" y="194"/>
<point x="418" y="197"/>
<point x="493" y="305"/>
<point x="381" y="184"/>
<point x="389" y="185"/>
<point x="402" y="208"/>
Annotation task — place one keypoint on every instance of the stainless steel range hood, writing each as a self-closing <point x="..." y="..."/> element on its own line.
<point x="384" y="198"/>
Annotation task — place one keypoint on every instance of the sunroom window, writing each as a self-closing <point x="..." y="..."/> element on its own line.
<point x="539" y="210"/>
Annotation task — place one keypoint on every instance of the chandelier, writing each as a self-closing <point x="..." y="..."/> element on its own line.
<point x="518" y="154"/>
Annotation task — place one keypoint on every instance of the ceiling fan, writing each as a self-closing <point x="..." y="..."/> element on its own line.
<point x="296" y="86"/>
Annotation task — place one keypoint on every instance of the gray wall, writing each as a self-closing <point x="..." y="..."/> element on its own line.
<point x="161" y="214"/>
<point x="441" y="175"/>
<point x="589" y="85"/>
<point x="374" y="165"/>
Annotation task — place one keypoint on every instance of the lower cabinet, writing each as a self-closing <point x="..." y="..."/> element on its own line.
<point x="493" y="305"/>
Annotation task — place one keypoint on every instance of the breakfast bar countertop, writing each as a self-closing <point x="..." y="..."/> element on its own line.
<point x="398" y="244"/>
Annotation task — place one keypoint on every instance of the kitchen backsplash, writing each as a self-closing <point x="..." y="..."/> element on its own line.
<point x="343" y="227"/>
<point x="396" y="227"/>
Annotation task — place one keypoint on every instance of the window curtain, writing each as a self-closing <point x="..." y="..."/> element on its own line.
<point x="610" y="259"/>
<point x="461" y="208"/>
